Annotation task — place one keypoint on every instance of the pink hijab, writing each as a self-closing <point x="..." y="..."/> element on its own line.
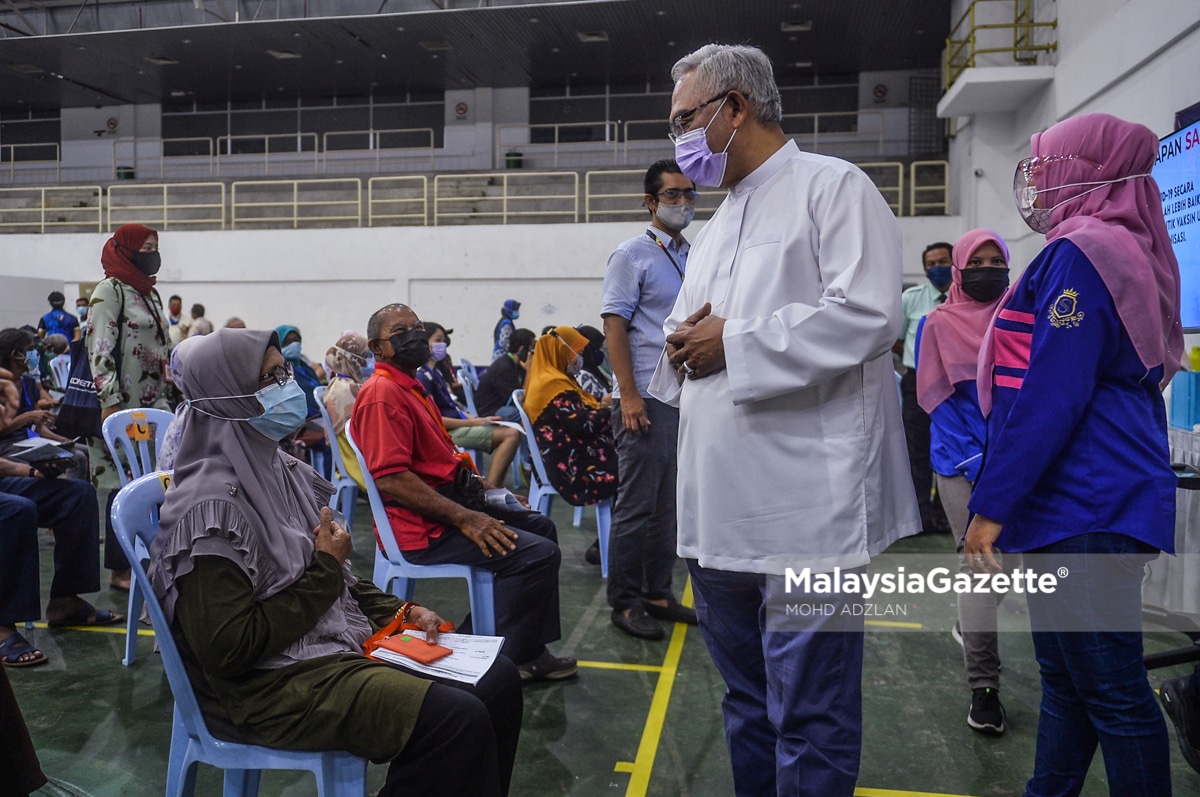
<point x="1119" y="227"/>
<point x="954" y="331"/>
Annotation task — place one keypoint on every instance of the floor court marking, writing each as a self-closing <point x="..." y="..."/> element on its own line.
<point x="894" y="793"/>
<point x="115" y="628"/>
<point x="643" y="765"/>
<point x="616" y="665"/>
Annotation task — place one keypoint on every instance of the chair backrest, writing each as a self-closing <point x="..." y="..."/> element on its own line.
<point x="339" y="466"/>
<point x="129" y="432"/>
<point x="383" y="526"/>
<point x="535" y="454"/>
<point x="467" y="370"/>
<point x="60" y="369"/>
<point x="135" y="517"/>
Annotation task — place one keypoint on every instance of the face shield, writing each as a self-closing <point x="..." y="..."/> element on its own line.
<point x="1028" y="187"/>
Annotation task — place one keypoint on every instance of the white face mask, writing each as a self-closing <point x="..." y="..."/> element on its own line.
<point x="676" y="217"/>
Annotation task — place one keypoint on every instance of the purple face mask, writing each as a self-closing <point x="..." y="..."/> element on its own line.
<point x="699" y="163"/>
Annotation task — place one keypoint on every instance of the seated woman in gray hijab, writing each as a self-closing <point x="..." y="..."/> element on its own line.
<point x="252" y="575"/>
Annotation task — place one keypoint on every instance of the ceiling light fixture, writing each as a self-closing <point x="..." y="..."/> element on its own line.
<point x="796" y="27"/>
<point x="160" y="60"/>
<point x="592" y="36"/>
<point x="283" y="55"/>
<point x="26" y="69"/>
<point x="434" y="45"/>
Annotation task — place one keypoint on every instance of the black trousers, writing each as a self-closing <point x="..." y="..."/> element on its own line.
<point x="526" y="582"/>
<point x="643" y="543"/>
<point x="465" y="739"/>
<point x="916" y="433"/>
<point x="67" y="505"/>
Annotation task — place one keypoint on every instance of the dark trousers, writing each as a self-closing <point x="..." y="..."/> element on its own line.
<point x="916" y="433"/>
<point x="642" y="545"/>
<point x="18" y="760"/>
<point x="793" y="700"/>
<point x="69" y="507"/>
<point x="465" y="738"/>
<point x="525" y="587"/>
<point x="114" y="557"/>
<point x="1094" y="687"/>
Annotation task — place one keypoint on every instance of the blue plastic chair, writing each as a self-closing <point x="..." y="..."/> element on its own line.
<point x="347" y="489"/>
<point x="470" y="383"/>
<point x="396" y="574"/>
<point x="128" y="433"/>
<point x="339" y="774"/>
<point x="541" y="494"/>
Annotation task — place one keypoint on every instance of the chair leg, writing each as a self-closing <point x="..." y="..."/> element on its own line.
<point x="132" y="617"/>
<point x="577" y="521"/>
<point x="181" y="773"/>
<point x="483" y="603"/>
<point x="341" y="775"/>
<point x="604" y="525"/>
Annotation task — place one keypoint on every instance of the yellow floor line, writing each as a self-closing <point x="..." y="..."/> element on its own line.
<point x="616" y="665"/>
<point x="103" y="629"/>
<point x="892" y="624"/>
<point x="643" y="764"/>
<point x="894" y="793"/>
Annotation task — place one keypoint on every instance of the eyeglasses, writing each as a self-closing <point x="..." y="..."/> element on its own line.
<point x="679" y="123"/>
<point x="674" y="194"/>
<point x="280" y="374"/>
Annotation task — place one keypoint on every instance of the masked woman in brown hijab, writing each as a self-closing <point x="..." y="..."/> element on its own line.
<point x="252" y="575"/>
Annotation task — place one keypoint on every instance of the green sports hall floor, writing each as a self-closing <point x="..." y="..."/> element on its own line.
<point x="642" y="718"/>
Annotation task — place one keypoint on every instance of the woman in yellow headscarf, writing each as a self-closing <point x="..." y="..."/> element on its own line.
<point x="574" y="433"/>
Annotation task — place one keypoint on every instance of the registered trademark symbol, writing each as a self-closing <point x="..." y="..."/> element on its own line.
<point x="1063" y="572"/>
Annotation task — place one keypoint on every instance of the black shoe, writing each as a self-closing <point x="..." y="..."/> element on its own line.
<point x="548" y="667"/>
<point x="592" y="554"/>
<point x="673" y="612"/>
<point x="987" y="714"/>
<point x="1179" y="701"/>
<point x="637" y="624"/>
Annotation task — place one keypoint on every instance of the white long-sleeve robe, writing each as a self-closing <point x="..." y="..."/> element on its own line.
<point x="794" y="455"/>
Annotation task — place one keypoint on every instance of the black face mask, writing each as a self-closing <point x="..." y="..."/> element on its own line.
<point x="146" y="262"/>
<point x="985" y="284"/>
<point x="410" y="350"/>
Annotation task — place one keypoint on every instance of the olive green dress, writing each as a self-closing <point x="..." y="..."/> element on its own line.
<point x="338" y="702"/>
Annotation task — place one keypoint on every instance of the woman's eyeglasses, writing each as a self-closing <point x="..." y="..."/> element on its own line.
<point x="280" y="374"/>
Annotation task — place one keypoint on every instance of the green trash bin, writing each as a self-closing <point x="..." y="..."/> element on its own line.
<point x="125" y="173"/>
<point x="513" y="159"/>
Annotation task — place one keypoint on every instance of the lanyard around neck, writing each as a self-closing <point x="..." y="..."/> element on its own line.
<point x="663" y="247"/>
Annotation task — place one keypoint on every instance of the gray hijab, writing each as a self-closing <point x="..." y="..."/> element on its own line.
<point x="236" y="495"/>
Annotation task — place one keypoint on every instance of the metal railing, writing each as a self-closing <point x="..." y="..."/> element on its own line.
<point x="166" y="206"/>
<point x="503" y="195"/>
<point x="301" y="143"/>
<point x="391" y="200"/>
<point x="318" y="203"/>
<point x="41" y="210"/>
<point x="131" y="154"/>
<point x="963" y="45"/>
<point x="525" y="147"/>
<point x="14" y="150"/>
<point x="381" y="144"/>
<point x="920" y="181"/>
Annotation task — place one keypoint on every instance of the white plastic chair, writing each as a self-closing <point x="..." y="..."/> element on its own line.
<point x="541" y="493"/>
<point x="129" y="432"/>
<point x="339" y="774"/>
<point x="60" y="370"/>
<point x="347" y="488"/>
<point x="396" y="574"/>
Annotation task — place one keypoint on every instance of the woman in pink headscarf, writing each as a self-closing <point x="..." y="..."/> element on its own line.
<point x="948" y="343"/>
<point x="1077" y="471"/>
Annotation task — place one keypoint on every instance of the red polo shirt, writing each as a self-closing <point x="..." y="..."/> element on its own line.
<point x="398" y="429"/>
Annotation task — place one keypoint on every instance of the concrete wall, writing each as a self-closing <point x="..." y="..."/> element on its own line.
<point x="326" y="281"/>
<point x="23" y="300"/>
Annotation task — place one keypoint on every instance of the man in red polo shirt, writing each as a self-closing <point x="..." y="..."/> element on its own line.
<point x="409" y="454"/>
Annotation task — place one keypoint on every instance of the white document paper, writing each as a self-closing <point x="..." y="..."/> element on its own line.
<point x="471" y="658"/>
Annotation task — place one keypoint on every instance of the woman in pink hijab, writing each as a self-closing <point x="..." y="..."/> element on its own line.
<point x="1077" y="472"/>
<point x="948" y="343"/>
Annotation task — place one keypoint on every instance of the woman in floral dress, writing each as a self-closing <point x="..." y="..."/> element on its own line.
<point x="128" y="349"/>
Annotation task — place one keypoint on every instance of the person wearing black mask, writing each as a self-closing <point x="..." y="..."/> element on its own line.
<point x="415" y="466"/>
<point x="948" y="343"/>
<point x="128" y="347"/>
<point x="918" y="301"/>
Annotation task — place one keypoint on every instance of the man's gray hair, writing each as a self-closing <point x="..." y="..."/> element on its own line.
<point x="375" y="324"/>
<point x="725" y="67"/>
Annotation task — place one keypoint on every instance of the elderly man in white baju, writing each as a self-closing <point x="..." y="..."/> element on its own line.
<point x="791" y="445"/>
